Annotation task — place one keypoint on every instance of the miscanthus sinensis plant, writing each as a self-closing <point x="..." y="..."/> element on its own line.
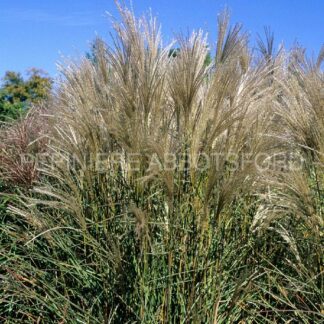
<point x="173" y="191"/>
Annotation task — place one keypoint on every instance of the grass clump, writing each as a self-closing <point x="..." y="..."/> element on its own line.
<point x="170" y="192"/>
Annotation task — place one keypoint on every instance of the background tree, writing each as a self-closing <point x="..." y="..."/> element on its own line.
<point x="17" y="94"/>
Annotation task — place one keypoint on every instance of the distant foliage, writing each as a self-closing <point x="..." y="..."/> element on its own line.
<point x="18" y="94"/>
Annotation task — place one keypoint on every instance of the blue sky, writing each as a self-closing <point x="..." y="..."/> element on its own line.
<point x="36" y="33"/>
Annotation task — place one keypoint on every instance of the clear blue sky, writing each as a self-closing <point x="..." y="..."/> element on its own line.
<point x="35" y="33"/>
